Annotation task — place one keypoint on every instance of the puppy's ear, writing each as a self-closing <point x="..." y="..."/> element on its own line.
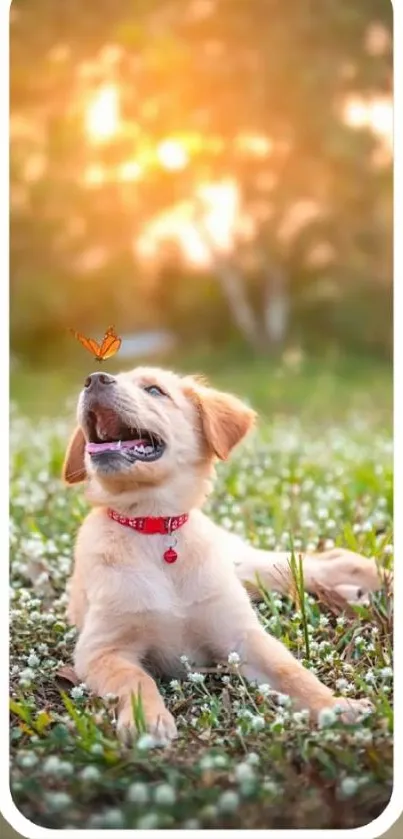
<point x="73" y="467"/>
<point x="225" y="420"/>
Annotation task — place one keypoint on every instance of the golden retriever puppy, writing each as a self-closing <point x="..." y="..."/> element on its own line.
<point x="154" y="578"/>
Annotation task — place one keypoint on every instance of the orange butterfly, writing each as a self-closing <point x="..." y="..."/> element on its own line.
<point x="109" y="346"/>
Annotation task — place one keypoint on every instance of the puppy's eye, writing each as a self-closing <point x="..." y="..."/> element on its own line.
<point x="154" y="390"/>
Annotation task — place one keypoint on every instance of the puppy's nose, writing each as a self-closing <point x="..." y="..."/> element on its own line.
<point x="97" y="381"/>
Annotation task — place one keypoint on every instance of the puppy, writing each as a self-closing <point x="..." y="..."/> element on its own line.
<point x="154" y="578"/>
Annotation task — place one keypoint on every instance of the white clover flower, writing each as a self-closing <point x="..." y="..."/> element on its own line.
<point x="253" y="759"/>
<point x="270" y="786"/>
<point x="386" y="673"/>
<point x="146" y="742"/>
<point x="220" y="761"/>
<point x="138" y="793"/>
<point x="148" y="822"/>
<point x="76" y="692"/>
<point x="370" y="677"/>
<point x="196" y="678"/>
<point x="225" y="680"/>
<point x="244" y="772"/>
<point x="234" y="659"/>
<point x="228" y="801"/>
<point x="112" y="818"/>
<point x="90" y="773"/>
<point x="207" y="762"/>
<point x="164" y="795"/>
<point x="58" y="800"/>
<point x="27" y="759"/>
<point x="283" y="699"/>
<point x="265" y="689"/>
<point x="348" y="787"/>
<point x="174" y="684"/>
<point x="26" y="677"/>
<point x="326" y="717"/>
<point x="301" y="716"/>
<point x="33" y="659"/>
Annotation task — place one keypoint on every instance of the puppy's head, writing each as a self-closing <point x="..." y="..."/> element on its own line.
<point x="150" y="427"/>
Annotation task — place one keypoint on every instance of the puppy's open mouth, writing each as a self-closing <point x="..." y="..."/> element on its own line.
<point x="108" y="434"/>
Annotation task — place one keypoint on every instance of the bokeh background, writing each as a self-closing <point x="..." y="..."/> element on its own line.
<point x="212" y="177"/>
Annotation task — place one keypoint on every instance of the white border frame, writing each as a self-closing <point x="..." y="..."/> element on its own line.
<point x="395" y="807"/>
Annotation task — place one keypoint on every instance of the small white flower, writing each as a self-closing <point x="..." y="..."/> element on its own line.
<point x="348" y="787"/>
<point x="370" y="677"/>
<point x="58" y="800"/>
<point x="253" y="759"/>
<point x="165" y="795"/>
<point x="76" y="692"/>
<point x="386" y="673"/>
<point x="220" y="761"/>
<point x="138" y="793"/>
<point x="301" y="716"/>
<point x="33" y="659"/>
<point x="326" y="717"/>
<point x="244" y="772"/>
<point x="112" y="818"/>
<point x="196" y="678"/>
<point x="146" y="742"/>
<point x="27" y="760"/>
<point x="228" y="801"/>
<point x="207" y="762"/>
<point x="283" y="699"/>
<point x="148" y="822"/>
<point x="265" y="690"/>
<point x="234" y="658"/>
<point x="174" y="684"/>
<point x="270" y="786"/>
<point x="90" y="773"/>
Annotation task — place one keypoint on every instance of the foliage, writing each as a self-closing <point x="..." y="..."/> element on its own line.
<point x="250" y="94"/>
<point x="242" y="750"/>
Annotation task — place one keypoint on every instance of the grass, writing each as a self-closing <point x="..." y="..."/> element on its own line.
<point x="308" y="479"/>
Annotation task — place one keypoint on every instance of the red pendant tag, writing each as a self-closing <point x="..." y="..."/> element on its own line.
<point x="170" y="555"/>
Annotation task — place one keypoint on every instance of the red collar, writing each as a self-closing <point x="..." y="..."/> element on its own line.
<point x="150" y="525"/>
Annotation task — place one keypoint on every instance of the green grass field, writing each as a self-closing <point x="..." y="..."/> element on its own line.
<point x="318" y="471"/>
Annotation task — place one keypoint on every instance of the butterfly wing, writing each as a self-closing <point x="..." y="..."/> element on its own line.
<point x="110" y="345"/>
<point x="88" y="343"/>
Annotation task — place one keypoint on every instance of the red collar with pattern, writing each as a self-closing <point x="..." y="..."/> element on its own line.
<point x="150" y="525"/>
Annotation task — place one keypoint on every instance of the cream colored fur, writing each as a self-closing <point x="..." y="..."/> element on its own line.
<point x="136" y="614"/>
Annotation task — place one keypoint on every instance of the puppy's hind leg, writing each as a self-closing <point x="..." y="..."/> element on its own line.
<point x="264" y="658"/>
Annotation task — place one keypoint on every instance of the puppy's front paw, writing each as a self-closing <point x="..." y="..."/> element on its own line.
<point x="159" y="722"/>
<point x="353" y="710"/>
<point x="352" y="576"/>
<point x="348" y="711"/>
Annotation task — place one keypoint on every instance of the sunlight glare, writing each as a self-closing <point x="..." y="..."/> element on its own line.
<point x="172" y="155"/>
<point x="217" y="211"/>
<point x="102" y="117"/>
<point x="376" y="114"/>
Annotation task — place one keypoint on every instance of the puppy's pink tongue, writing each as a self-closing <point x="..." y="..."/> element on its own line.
<point x="115" y="446"/>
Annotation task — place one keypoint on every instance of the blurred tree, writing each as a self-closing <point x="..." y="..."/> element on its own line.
<point x="250" y="116"/>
